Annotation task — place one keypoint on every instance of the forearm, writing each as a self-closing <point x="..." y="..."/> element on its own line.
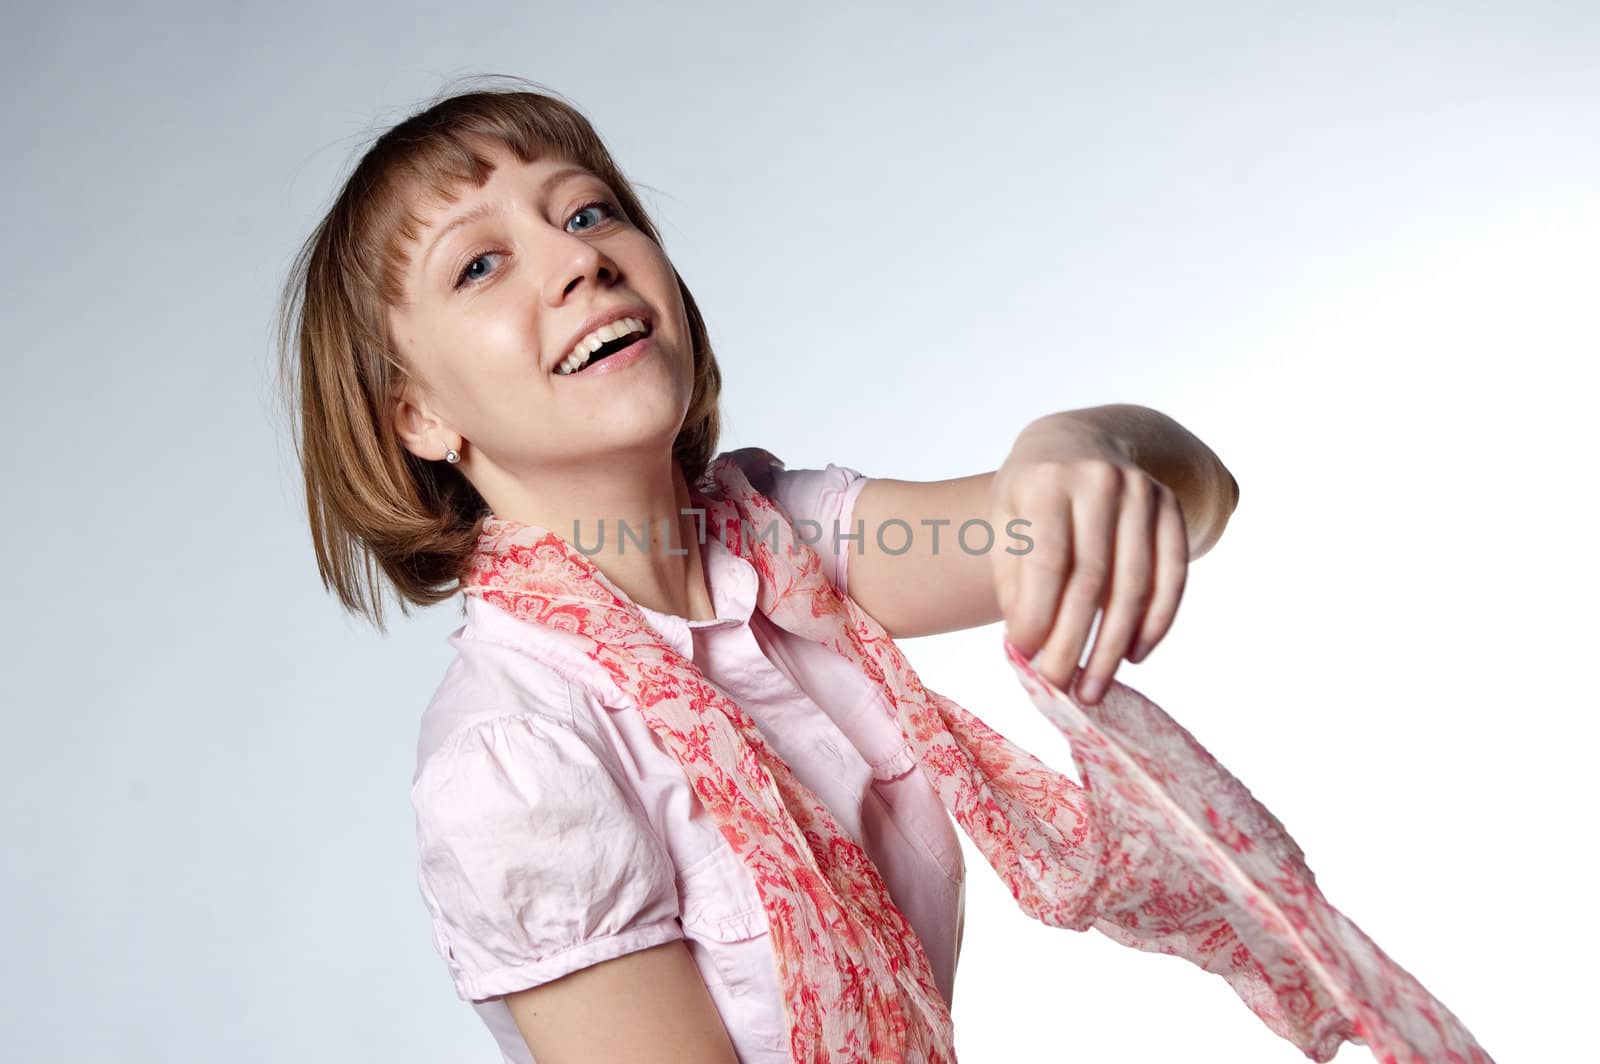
<point x="1207" y="492"/>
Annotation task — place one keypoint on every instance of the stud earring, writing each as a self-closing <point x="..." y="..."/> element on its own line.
<point x="451" y="456"/>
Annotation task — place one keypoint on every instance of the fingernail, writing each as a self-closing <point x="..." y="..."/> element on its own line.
<point x="1139" y="651"/>
<point x="1090" y="689"/>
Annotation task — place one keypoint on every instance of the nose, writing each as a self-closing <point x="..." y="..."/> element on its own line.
<point x="575" y="260"/>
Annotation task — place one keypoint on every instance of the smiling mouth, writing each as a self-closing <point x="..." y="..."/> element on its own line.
<point x="578" y="362"/>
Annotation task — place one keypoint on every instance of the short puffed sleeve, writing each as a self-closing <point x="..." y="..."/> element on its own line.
<point x="826" y="497"/>
<point x="533" y="861"/>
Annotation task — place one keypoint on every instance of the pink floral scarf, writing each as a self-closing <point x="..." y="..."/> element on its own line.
<point x="1161" y="848"/>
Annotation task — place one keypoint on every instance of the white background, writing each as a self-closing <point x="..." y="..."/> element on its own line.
<point x="1352" y="247"/>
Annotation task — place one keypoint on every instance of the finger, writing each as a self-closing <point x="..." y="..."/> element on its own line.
<point x="1132" y="569"/>
<point x="1085" y="591"/>
<point x="1171" y="576"/>
<point x="1038" y="574"/>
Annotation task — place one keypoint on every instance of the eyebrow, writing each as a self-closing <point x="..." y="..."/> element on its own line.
<point x="484" y="210"/>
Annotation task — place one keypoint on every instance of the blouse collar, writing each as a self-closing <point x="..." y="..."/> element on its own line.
<point x="731" y="581"/>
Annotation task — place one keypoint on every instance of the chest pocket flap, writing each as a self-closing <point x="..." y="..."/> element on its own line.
<point x="718" y="899"/>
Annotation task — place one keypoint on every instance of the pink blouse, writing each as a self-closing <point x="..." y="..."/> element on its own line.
<point x="555" y="832"/>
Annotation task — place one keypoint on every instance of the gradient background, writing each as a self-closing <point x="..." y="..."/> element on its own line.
<point x="1354" y="249"/>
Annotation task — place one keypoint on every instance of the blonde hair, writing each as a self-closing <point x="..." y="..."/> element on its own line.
<point x="373" y="505"/>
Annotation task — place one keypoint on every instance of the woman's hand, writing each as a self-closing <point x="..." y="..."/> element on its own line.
<point x="1105" y="535"/>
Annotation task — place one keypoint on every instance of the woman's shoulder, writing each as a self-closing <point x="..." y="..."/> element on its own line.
<point x="494" y="676"/>
<point x="823" y="497"/>
<point x="822" y="494"/>
<point x="767" y="472"/>
<point x="819" y="494"/>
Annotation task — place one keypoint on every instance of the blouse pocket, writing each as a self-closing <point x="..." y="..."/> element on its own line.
<point x="899" y="782"/>
<point x="725" y="923"/>
<point x="916" y="809"/>
<point x="718" y="900"/>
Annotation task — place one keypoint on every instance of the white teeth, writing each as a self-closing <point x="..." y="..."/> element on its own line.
<point x="595" y="340"/>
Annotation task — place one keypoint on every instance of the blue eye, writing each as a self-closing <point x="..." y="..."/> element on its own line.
<point x="463" y="280"/>
<point x="602" y="204"/>
<point x="467" y="279"/>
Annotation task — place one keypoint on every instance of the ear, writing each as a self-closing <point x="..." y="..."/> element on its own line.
<point x="418" y="430"/>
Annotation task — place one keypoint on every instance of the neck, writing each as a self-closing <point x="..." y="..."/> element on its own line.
<point x="655" y="560"/>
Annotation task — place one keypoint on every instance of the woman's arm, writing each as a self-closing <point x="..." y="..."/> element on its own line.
<point x="937" y="586"/>
<point x="650" y="1005"/>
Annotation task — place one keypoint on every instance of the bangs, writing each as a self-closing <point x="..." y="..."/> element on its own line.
<point x="426" y="163"/>
<point x="433" y="175"/>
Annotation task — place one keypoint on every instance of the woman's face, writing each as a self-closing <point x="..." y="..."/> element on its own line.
<point x="495" y="305"/>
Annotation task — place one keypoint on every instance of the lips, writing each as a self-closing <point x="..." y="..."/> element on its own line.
<point x="604" y="317"/>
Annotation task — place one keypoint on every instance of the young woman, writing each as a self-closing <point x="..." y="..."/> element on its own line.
<point x="485" y="326"/>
